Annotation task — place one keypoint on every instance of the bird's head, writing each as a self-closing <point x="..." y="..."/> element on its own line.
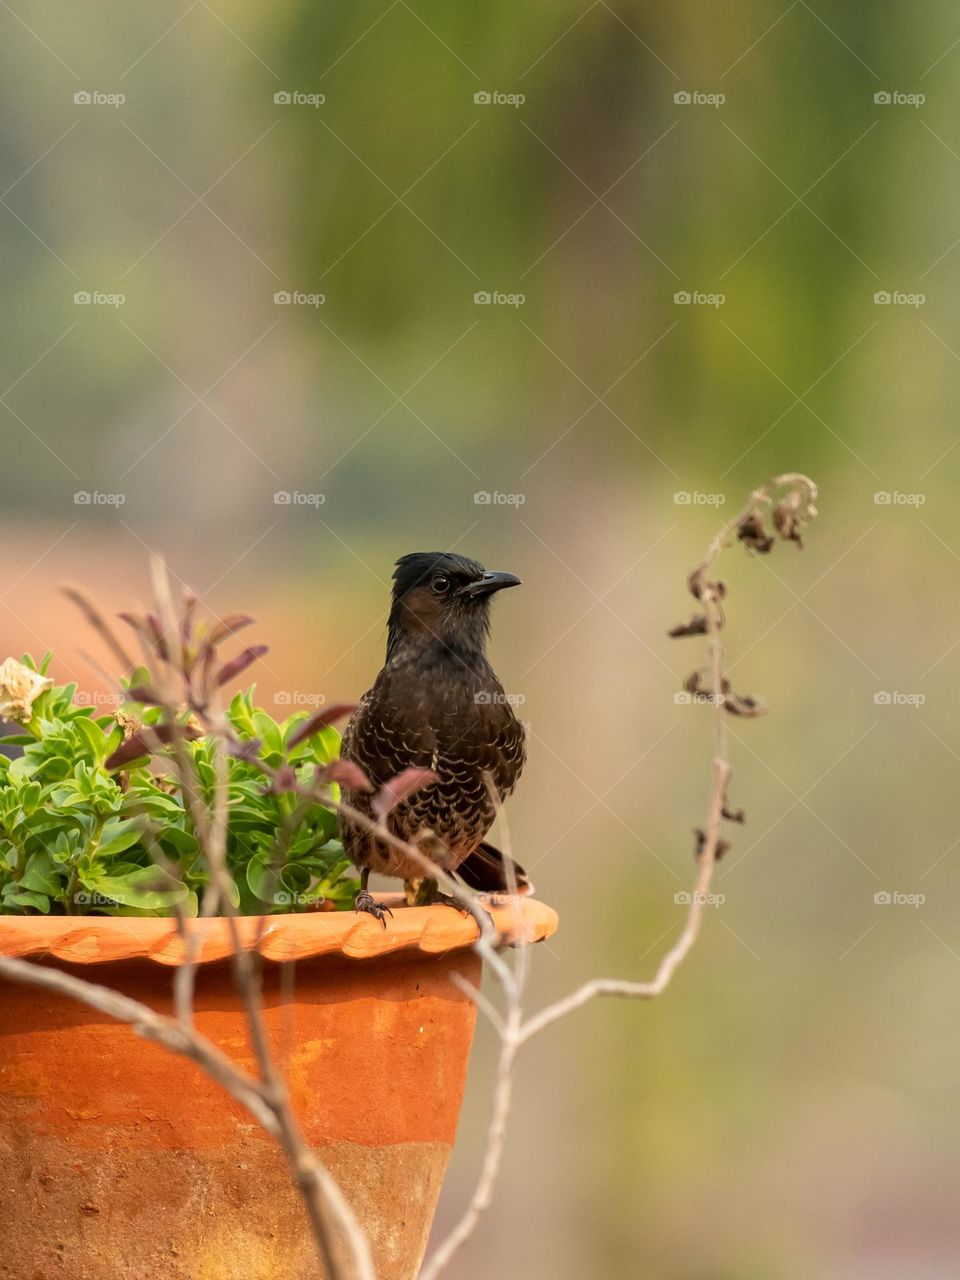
<point x="445" y="598"/>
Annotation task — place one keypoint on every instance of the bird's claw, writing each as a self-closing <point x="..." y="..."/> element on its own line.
<point x="366" y="903"/>
<point x="449" y="900"/>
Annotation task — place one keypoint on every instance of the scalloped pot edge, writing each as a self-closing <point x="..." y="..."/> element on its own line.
<point x="432" y="930"/>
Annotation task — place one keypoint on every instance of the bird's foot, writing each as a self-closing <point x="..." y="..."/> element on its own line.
<point x="366" y="902"/>
<point x="449" y="900"/>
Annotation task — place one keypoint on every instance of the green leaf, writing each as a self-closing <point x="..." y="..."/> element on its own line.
<point x="30" y="797"/>
<point x="40" y="874"/>
<point x="154" y="802"/>
<point x="66" y="795"/>
<point x="147" y="888"/>
<point x="233" y="892"/>
<point x="119" y="834"/>
<point x="295" y="878"/>
<point x="24" y="898"/>
<point x="262" y="879"/>
<point x="182" y="841"/>
<point x="268" y="731"/>
<point x="112" y="741"/>
<point x="56" y="767"/>
<point x="241" y="715"/>
<point x="21" y="769"/>
<point x="94" y="736"/>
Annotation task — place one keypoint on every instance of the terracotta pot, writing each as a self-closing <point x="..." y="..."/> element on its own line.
<point x="118" y="1158"/>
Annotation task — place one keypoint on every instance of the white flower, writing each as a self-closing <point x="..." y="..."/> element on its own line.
<point x="19" y="689"/>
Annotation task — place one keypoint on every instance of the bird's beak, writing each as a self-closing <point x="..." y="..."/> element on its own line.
<point x="489" y="583"/>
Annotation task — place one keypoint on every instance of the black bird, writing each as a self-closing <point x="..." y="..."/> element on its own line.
<point x="437" y="705"/>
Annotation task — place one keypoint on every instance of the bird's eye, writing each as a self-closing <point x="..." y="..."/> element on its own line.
<point x="440" y="584"/>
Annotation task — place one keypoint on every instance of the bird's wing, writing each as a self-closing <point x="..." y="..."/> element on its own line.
<point x="382" y="744"/>
<point x="459" y="806"/>
<point x="510" y="745"/>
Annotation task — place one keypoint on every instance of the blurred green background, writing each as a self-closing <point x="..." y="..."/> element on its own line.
<point x="789" y="1109"/>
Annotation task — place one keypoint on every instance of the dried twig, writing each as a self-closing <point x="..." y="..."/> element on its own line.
<point x="791" y="511"/>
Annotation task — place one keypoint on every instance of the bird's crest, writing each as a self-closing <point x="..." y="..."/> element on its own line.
<point x="419" y="566"/>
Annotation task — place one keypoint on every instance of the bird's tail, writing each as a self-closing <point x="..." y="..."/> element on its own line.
<point x="486" y="871"/>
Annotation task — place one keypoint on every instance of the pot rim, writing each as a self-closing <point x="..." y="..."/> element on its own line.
<point x="431" y="930"/>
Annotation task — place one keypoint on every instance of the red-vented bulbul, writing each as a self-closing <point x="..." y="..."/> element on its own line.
<point x="437" y="705"/>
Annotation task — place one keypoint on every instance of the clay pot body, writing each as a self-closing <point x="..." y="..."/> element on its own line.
<point x="119" y="1158"/>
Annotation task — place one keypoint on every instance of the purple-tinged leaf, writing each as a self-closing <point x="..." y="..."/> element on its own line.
<point x="284" y="779"/>
<point x="144" y="694"/>
<point x="399" y="788"/>
<point x="204" y="682"/>
<point x="156" y="630"/>
<point x="230" y="670"/>
<point x="322" y="719"/>
<point x="190" y="601"/>
<point x="137" y="623"/>
<point x="143" y="741"/>
<point x="229" y="626"/>
<point x="347" y="774"/>
<point x="149" y="629"/>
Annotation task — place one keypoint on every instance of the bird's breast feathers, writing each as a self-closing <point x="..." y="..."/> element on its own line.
<point x="459" y="732"/>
